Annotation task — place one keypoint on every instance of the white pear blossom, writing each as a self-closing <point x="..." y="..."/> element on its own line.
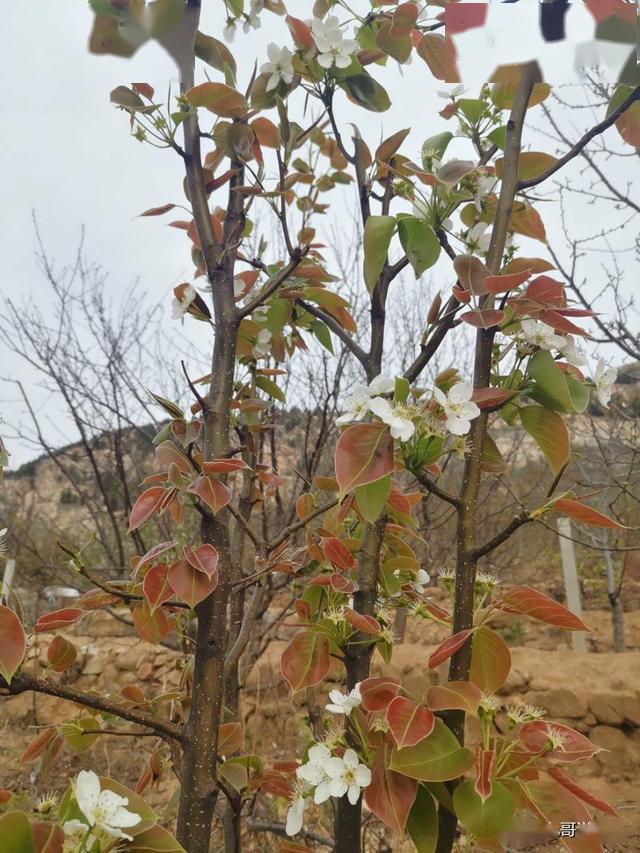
<point x="458" y="407"/>
<point x="262" y="346"/>
<point x="421" y="581"/>
<point x="181" y="306"/>
<point x="239" y="287"/>
<point x="573" y="353"/>
<point x="252" y="20"/>
<point x="453" y="91"/>
<point x="344" y="775"/>
<point x="400" y="427"/>
<point x="280" y="66"/>
<point x="333" y="48"/>
<point x="312" y="771"/>
<point x="539" y="334"/>
<point x="484" y="186"/>
<point x="476" y="239"/>
<point x="259" y="314"/>
<point x="381" y="384"/>
<point x="229" y="32"/>
<point x="344" y="703"/>
<point x="358" y="403"/>
<point x="77" y="837"/>
<point x="104" y="810"/>
<point x="604" y="379"/>
<point x="295" y="813"/>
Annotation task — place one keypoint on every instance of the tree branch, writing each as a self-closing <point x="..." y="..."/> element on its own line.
<point x="25" y="682"/>
<point x="337" y="330"/>
<point x="584" y="141"/>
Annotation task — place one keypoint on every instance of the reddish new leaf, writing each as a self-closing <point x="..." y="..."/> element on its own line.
<point x="364" y="454"/>
<point x="362" y="622"/>
<point x="145" y="506"/>
<point x="449" y="647"/>
<point x="152" y="626"/>
<point x="58" y="619"/>
<point x="530" y="602"/>
<point x="483" y="319"/>
<point x="230" y="738"/>
<point x="146" y="90"/>
<point x="484" y="762"/>
<point x="504" y="283"/>
<point x="490" y="660"/>
<point x="61" y="654"/>
<point x="168" y="454"/>
<point x="378" y="692"/>
<point x="204" y="558"/>
<point x="189" y="584"/>
<point x="224" y="466"/>
<point x="337" y="553"/>
<point x="559" y="322"/>
<point x="158" y="211"/>
<point x="546" y="291"/>
<point x="472" y="274"/>
<point x="409" y="722"/>
<point x="155" y="586"/>
<point x="462" y="695"/>
<point x="572" y="746"/>
<point x="13" y="643"/>
<point x="300" y="33"/>
<point x="306" y="662"/>
<point x="152" y="553"/>
<point x="38" y="744"/>
<point x="390" y="795"/>
<point x="587" y="797"/>
<point x="490" y="398"/>
<point x="586" y="514"/>
<point x="209" y="489"/>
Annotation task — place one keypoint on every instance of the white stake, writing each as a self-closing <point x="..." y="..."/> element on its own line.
<point x="571" y="585"/>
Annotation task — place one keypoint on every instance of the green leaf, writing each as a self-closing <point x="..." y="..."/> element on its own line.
<point x="492" y="460"/>
<point x="499" y="136"/>
<point x="377" y="236"/>
<point x="549" y="432"/>
<point x="74" y="733"/>
<point x="419" y="242"/>
<point x="484" y="819"/>
<point x="322" y="333"/>
<point x="399" y="48"/>
<point x="422" y="824"/>
<point x="435" y="759"/>
<point x="269" y="387"/>
<point x="402" y="389"/>
<point x="550" y="380"/>
<point x="372" y="497"/>
<point x="366" y="92"/>
<point x="215" y="53"/>
<point x="471" y="109"/>
<point x="579" y="393"/>
<point x="434" y="147"/>
<point x="172" y="408"/>
<point x="15" y="832"/>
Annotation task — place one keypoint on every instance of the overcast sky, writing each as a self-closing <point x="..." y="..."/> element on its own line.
<point x="67" y="155"/>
